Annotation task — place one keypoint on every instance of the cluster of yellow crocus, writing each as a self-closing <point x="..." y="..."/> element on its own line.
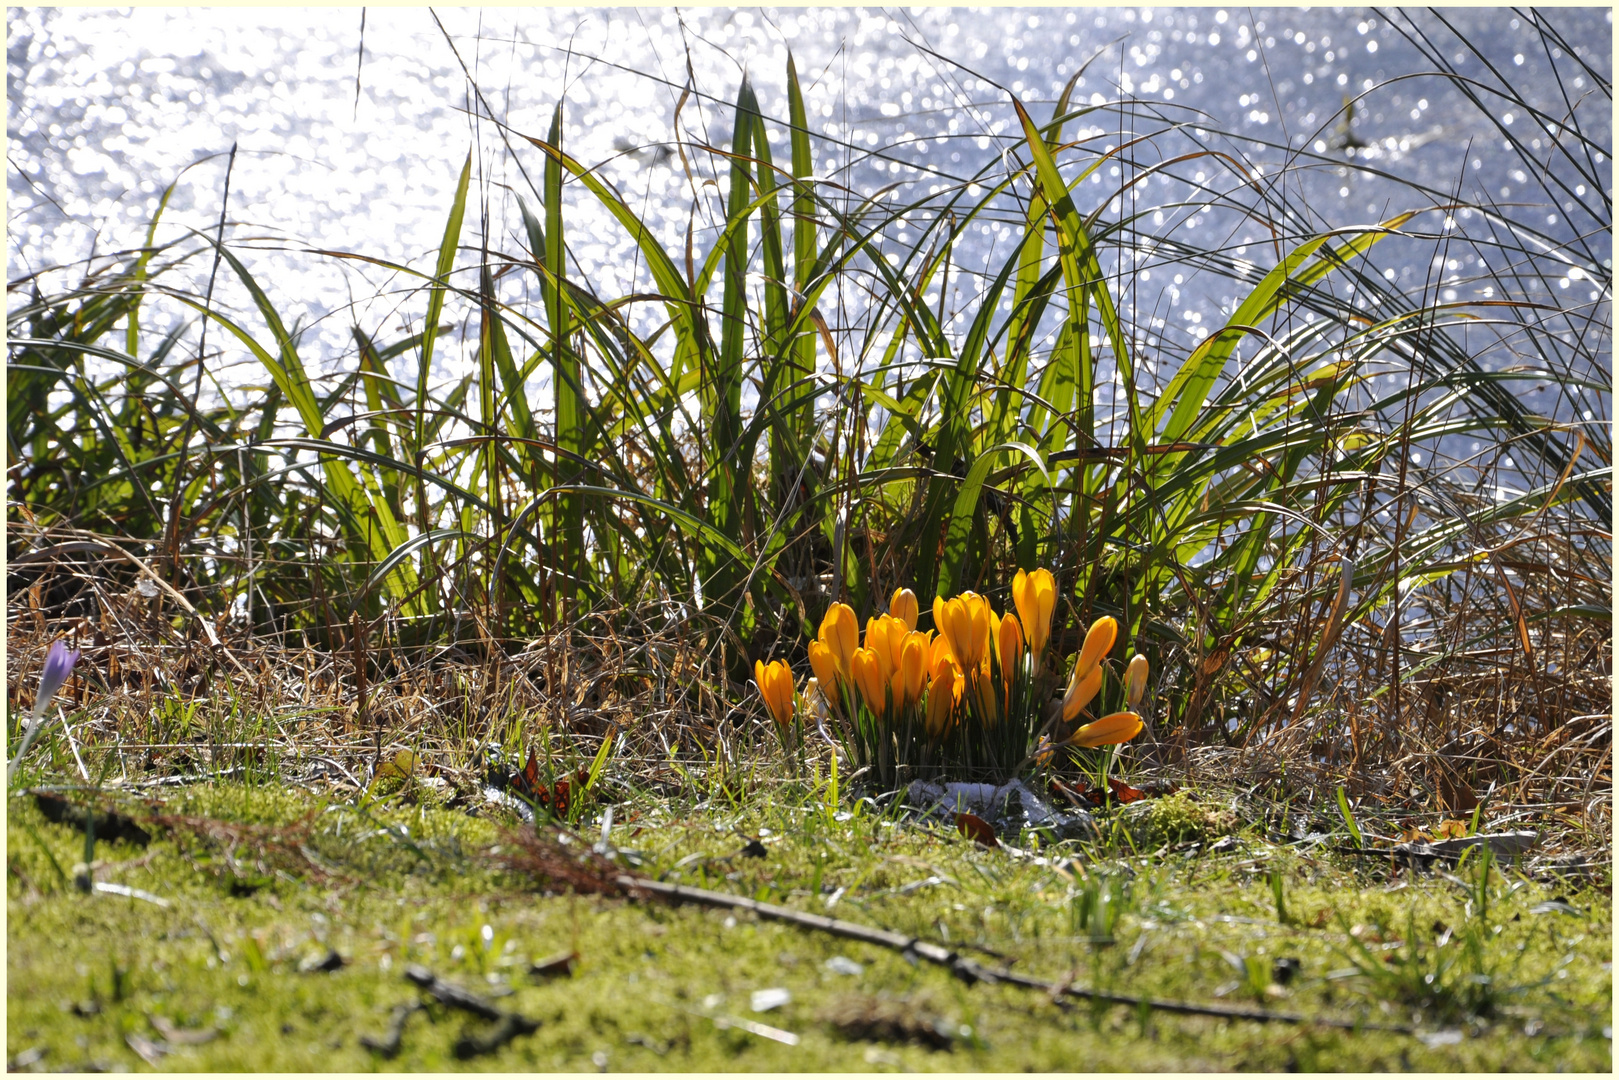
<point x="982" y="644"/>
<point x="895" y="671"/>
<point x="979" y="668"/>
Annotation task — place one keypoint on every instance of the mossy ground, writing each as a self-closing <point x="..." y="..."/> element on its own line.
<point x="1519" y="985"/>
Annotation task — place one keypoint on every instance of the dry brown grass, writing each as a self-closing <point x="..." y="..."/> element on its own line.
<point x="1526" y="730"/>
<point x="652" y="683"/>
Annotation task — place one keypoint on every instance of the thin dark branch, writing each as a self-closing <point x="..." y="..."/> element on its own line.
<point x="971" y="971"/>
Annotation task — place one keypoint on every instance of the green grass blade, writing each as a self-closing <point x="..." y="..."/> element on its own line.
<point x="804" y="217"/>
<point x="435" y="293"/>
<point x="1086" y="277"/>
<point x="1349" y="817"/>
<point x="138" y="274"/>
<point x="570" y="433"/>
<point x="959" y="531"/>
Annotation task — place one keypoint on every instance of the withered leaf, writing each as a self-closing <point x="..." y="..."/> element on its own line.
<point x="977" y="829"/>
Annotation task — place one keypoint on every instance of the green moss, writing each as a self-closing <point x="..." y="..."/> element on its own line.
<point x="410" y="884"/>
<point x="1180" y="818"/>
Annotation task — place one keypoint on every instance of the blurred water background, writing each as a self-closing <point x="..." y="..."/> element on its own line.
<point x="1328" y="111"/>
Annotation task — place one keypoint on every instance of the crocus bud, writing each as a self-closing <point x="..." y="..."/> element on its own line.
<point x="1113" y="728"/>
<point x="1135" y="680"/>
<point x="903" y="606"/>
<point x="1080" y="692"/>
<point x="1098" y="643"/>
<point x="59" y="661"/>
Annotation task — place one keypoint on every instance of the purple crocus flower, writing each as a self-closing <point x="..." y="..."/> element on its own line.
<point x="59" y="661"/>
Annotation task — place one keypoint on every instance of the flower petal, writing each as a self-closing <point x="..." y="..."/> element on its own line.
<point x="1080" y="692"/>
<point x="1098" y="643"/>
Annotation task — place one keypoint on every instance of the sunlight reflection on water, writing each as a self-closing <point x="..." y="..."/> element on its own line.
<point x="105" y="108"/>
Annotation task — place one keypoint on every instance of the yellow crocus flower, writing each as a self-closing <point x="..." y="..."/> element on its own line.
<point x="966" y="624"/>
<point x="1009" y="636"/>
<point x="986" y="693"/>
<point x="840" y="630"/>
<point x="898" y="634"/>
<point x="876" y="640"/>
<point x="1009" y="643"/>
<point x="826" y="670"/>
<point x="1113" y="728"/>
<point x="954" y="621"/>
<point x="775" y="682"/>
<point x="1080" y="692"/>
<point x="1135" y="680"/>
<point x="885" y="636"/>
<point x="1036" y="598"/>
<point x="869" y="679"/>
<point x="903" y="606"/>
<point x="912" y="673"/>
<point x="943" y="693"/>
<point x="983" y="625"/>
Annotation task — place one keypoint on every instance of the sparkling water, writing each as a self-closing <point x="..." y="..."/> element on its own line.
<point x="344" y="148"/>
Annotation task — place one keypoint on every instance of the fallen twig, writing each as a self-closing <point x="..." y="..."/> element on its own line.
<point x="388" y="1045"/>
<point x="148" y="1050"/>
<point x="1501" y="845"/>
<point x="185" y="780"/>
<point x="450" y="994"/>
<point x="114" y="889"/>
<point x="508" y="1025"/>
<point x="971" y="971"/>
<point x="178" y="1036"/>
